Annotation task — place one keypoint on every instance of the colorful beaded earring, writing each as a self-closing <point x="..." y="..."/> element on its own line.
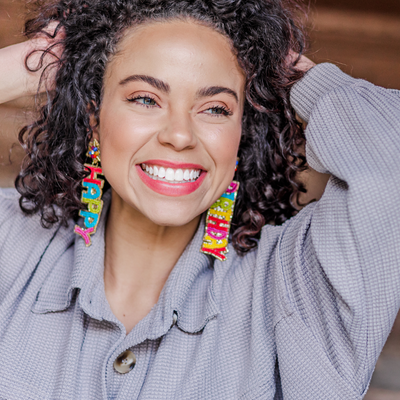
<point x="218" y="223"/>
<point x="92" y="196"/>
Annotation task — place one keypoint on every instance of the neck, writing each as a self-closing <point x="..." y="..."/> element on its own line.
<point x="139" y="257"/>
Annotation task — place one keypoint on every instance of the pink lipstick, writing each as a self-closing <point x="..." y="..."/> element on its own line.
<point x="171" y="178"/>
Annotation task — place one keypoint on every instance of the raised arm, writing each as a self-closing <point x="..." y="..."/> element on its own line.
<point x="16" y="80"/>
<point x="340" y="258"/>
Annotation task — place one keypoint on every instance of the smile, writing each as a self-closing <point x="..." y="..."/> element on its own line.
<point x="171" y="175"/>
<point x="171" y="179"/>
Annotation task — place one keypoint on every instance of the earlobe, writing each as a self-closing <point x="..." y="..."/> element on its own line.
<point x="94" y="122"/>
<point x="95" y="134"/>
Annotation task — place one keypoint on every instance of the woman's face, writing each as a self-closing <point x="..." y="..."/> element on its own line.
<point x="170" y="120"/>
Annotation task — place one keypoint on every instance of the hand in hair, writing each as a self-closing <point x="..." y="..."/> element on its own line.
<point x="301" y="63"/>
<point x="28" y="68"/>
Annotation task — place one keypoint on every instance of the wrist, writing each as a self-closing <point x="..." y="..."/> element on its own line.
<point x="21" y="68"/>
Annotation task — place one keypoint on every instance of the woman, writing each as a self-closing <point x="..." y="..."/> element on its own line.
<point x="129" y="308"/>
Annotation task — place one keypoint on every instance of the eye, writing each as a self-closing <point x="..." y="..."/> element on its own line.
<point x="218" y="111"/>
<point x="145" y="101"/>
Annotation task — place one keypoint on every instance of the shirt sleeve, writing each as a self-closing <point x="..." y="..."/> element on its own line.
<point x="340" y="257"/>
<point x="9" y="208"/>
<point x="22" y="243"/>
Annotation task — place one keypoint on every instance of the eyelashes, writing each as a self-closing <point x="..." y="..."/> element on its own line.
<point x="219" y="110"/>
<point x="145" y="101"/>
<point x="149" y="101"/>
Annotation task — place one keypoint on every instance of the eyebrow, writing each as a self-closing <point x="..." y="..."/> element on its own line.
<point x="214" y="90"/>
<point x="157" y="83"/>
<point x="164" y="87"/>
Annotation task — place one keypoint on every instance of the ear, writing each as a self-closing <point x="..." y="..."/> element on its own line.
<point x="94" y="123"/>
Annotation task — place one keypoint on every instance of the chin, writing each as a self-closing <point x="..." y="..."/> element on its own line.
<point x="171" y="211"/>
<point x="178" y="218"/>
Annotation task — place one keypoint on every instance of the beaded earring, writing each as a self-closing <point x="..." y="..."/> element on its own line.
<point x="218" y="223"/>
<point x="92" y="196"/>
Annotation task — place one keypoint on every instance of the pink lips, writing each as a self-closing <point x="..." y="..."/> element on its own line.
<point x="171" y="189"/>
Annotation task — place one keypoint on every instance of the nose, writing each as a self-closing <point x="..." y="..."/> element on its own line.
<point x="178" y="132"/>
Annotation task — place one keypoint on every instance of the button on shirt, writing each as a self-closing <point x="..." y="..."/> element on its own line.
<point x="125" y="362"/>
<point x="303" y="316"/>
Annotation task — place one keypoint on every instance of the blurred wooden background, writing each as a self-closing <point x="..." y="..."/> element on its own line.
<point x="361" y="36"/>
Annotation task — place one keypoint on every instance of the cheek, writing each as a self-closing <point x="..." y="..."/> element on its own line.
<point x="121" y="136"/>
<point x="120" y="139"/>
<point x="223" y="145"/>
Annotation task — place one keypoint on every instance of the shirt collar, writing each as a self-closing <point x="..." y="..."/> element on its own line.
<point x="188" y="291"/>
<point x="80" y="269"/>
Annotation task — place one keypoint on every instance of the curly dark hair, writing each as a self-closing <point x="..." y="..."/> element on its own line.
<point x="262" y="33"/>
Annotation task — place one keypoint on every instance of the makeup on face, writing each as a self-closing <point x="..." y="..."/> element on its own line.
<point x="170" y="122"/>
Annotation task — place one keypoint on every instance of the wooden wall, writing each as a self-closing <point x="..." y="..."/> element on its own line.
<point x="364" y="40"/>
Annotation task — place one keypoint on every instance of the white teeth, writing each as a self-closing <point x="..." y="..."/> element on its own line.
<point x="161" y="172"/>
<point x="179" y="175"/>
<point x="170" y="175"/>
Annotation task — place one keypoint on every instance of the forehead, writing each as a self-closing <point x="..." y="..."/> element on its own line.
<point x="186" y="50"/>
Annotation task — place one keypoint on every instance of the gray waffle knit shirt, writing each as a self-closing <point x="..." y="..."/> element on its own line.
<point x="304" y="316"/>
